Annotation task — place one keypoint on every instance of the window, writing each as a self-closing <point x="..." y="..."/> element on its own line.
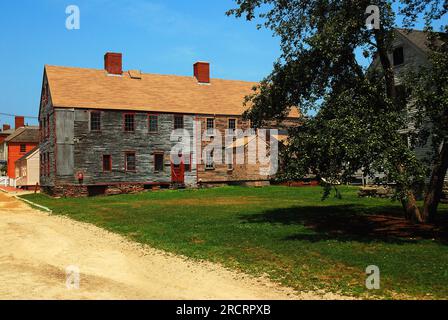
<point x="130" y="161"/>
<point x="401" y="94"/>
<point x="210" y="163"/>
<point x="107" y="163"/>
<point x="48" y="125"/>
<point x="40" y="130"/>
<point x="95" y="121"/>
<point x="48" y="164"/>
<point x="153" y="123"/>
<point x="178" y="122"/>
<point x="44" y="164"/>
<point x="230" y="155"/>
<point x="210" y="125"/>
<point x="44" y="131"/>
<point x="158" y="162"/>
<point x="41" y="171"/>
<point x="129" y="125"/>
<point x="398" y="56"/>
<point x="22" y="148"/>
<point x="232" y="124"/>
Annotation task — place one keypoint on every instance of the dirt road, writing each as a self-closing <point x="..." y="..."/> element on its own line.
<point x="36" y="248"/>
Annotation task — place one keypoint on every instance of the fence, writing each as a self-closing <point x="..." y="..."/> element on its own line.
<point x="4" y="181"/>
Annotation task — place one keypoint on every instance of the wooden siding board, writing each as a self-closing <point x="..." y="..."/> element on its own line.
<point x="112" y="140"/>
<point x="80" y="150"/>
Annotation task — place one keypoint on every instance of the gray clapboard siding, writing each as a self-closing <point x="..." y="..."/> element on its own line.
<point x="81" y="150"/>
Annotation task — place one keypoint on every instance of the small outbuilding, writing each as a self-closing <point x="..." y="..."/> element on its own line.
<point x="28" y="169"/>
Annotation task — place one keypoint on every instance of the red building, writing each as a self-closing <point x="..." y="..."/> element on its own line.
<point x="23" y="140"/>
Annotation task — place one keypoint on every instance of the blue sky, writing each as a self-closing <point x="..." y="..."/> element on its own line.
<point x="154" y="36"/>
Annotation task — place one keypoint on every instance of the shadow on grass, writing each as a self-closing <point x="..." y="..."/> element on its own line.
<point x="353" y="222"/>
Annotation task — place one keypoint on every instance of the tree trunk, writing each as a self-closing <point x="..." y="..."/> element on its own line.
<point x="412" y="212"/>
<point x="385" y="64"/>
<point x="435" y="188"/>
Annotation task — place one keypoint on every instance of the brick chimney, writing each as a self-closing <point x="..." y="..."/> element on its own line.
<point x="6" y="127"/>
<point x="19" y="122"/>
<point x="113" y="63"/>
<point x="202" y="72"/>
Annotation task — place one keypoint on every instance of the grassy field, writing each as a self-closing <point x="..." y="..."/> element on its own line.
<point x="289" y="234"/>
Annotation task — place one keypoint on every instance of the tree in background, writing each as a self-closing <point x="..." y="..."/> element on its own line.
<point x="360" y="113"/>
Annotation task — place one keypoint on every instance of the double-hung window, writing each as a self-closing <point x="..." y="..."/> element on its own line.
<point x="95" y="121"/>
<point x="210" y="162"/>
<point x="158" y="162"/>
<point x="178" y="122"/>
<point x="129" y="122"/>
<point x="398" y="56"/>
<point x="232" y="124"/>
<point x="210" y="126"/>
<point x="130" y="162"/>
<point x="107" y="163"/>
<point x="153" y="123"/>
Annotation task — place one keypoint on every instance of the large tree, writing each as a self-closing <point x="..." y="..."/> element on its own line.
<point x="360" y="112"/>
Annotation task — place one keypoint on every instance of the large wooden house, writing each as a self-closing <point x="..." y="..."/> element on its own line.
<point x="111" y="131"/>
<point x="410" y="52"/>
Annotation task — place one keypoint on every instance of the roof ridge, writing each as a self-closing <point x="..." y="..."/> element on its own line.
<point x="148" y="73"/>
<point x="18" y="132"/>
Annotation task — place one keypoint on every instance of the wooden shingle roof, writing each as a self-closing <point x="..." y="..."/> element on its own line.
<point x="28" y="134"/>
<point x="95" y="89"/>
<point x="420" y="38"/>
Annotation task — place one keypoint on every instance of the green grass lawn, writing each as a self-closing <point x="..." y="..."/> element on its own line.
<point x="289" y="234"/>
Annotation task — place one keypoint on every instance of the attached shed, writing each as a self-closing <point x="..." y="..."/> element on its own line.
<point x="28" y="169"/>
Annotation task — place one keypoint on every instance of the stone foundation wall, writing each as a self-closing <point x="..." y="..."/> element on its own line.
<point x="66" y="191"/>
<point x="80" y="191"/>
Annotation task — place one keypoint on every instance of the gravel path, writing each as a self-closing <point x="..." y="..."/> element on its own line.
<point x="36" y="248"/>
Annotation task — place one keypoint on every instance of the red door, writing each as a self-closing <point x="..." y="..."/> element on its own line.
<point x="178" y="172"/>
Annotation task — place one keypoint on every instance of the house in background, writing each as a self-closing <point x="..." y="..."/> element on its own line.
<point x="4" y="133"/>
<point x="409" y="52"/>
<point x="21" y="141"/>
<point x="110" y="131"/>
<point x="27" y="169"/>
